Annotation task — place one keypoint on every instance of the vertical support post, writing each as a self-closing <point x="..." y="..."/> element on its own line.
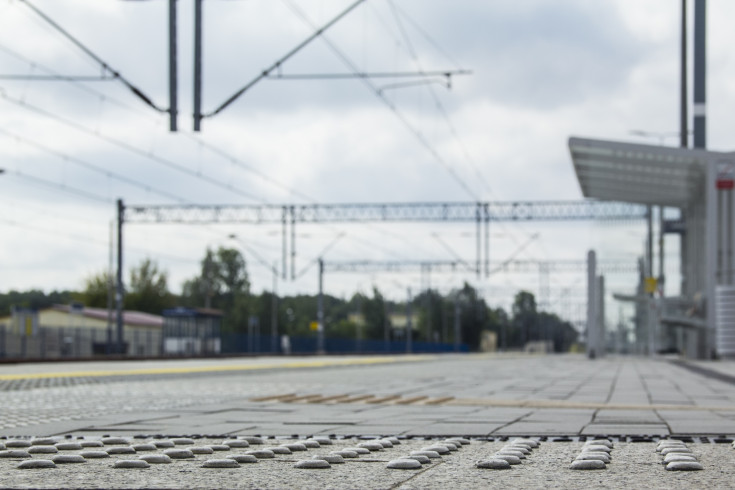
<point x="700" y="74"/>
<point x="173" y="96"/>
<point x="710" y="241"/>
<point x="591" y="304"/>
<point x="600" y="335"/>
<point x="487" y="239"/>
<point x="649" y="241"/>
<point x="197" y="64"/>
<point x="119" y="295"/>
<point x="457" y="326"/>
<point x="478" y="233"/>
<point x="320" y="309"/>
<point x="409" y="324"/>
<point x="683" y="102"/>
<point x="293" y="243"/>
<point x="284" y="241"/>
<point x="661" y="262"/>
<point x="274" y="310"/>
<point x="110" y="290"/>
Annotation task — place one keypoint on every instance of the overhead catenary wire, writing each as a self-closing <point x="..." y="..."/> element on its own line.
<point x="92" y="167"/>
<point x="406" y="123"/>
<point x="104" y="65"/>
<point x="318" y="32"/>
<point x="129" y="147"/>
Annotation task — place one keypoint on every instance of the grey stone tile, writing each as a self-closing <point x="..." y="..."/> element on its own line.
<point x="642" y="429"/>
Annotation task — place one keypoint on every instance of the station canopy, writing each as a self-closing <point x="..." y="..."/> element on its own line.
<point x="635" y="173"/>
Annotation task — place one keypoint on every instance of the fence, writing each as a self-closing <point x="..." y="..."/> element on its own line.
<point x="233" y="343"/>
<point x="75" y="342"/>
<point x="81" y="343"/>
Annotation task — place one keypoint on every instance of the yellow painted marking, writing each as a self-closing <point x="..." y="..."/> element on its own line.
<point x="408" y="401"/>
<point x="358" y="398"/>
<point x="439" y="401"/>
<point x="215" y="369"/>
<point x="484" y="402"/>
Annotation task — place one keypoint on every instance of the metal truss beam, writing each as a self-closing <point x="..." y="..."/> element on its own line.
<point x="517" y="266"/>
<point x="387" y="212"/>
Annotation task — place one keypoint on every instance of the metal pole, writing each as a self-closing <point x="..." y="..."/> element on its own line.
<point x="457" y="332"/>
<point x="293" y="243"/>
<point x="487" y="240"/>
<point x="409" y="325"/>
<point x="320" y="309"/>
<point x="284" y="241"/>
<point x="478" y="233"/>
<point x="197" y="64"/>
<point x="700" y="74"/>
<point x="172" y="66"/>
<point x="274" y="310"/>
<point x="591" y="304"/>
<point x="684" y="123"/>
<point x="110" y="290"/>
<point x="119" y="295"/>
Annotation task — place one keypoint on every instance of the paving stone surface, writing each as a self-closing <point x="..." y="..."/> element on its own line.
<point x="423" y="400"/>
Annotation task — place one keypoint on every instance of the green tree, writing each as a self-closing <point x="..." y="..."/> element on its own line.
<point x="222" y="284"/>
<point x="148" y="289"/>
<point x="96" y="290"/>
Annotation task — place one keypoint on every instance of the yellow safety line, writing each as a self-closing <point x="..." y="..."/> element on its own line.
<point x="214" y="369"/>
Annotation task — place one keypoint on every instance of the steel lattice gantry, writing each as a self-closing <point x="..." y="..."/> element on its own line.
<point x="387" y="212"/>
<point x="481" y="213"/>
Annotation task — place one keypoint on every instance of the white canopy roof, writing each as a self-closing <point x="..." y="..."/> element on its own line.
<point x="636" y="173"/>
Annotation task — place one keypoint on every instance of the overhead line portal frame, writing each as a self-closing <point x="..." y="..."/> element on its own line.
<point x="482" y="213"/>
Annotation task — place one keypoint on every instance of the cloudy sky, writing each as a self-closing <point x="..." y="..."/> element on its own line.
<point x="542" y="71"/>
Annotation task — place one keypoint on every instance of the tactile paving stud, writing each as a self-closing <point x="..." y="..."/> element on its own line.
<point x="120" y="450"/>
<point x="15" y="453"/>
<point x="42" y="450"/>
<point x="131" y="463"/>
<point x="508" y="457"/>
<point x="68" y="446"/>
<point x="670" y="458"/>
<point x="404" y="464"/>
<point x="68" y="459"/>
<point x="221" y="463"/>
<point x="43" y="441"/>
<point x="372" y="446"/>
<point x="684" y="466"/>
<point x="144" y="447"/>
<point x="262" y="453"/>
<point x="111" y="441"/>
<point x="165" y="444"/>
<point x="179" y="453"/>
<point x="201" y="450"/>
<point x="155" y="458"/>
<point x="437" y="448"/>
<point x="358" y="450"/>
<point x="295" y="446"/>
<point x="86" y="444"/>
<point x="311" y="444"/>
<point x="314" y="464"/>
<point x="587" y="464"/>
<point x="17" y="443"/>
<point x="236" y="443"/>
<point x="493" y="464"/>
<point x="420" y="458"/>
<point x="589" y="456"/>
<point x="330" y="458"/>
<point x="279" y="450"/>
<point x="30" y="464"/>
<point x="183" y="441"/>
<point x="92" y="454"/>
<point x="428" y="454"/>
<point x="253" y="440"/>
<point x="243" y="458"/>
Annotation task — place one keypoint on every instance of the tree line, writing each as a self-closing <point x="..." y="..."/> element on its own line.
<point x="222" y="283"/>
